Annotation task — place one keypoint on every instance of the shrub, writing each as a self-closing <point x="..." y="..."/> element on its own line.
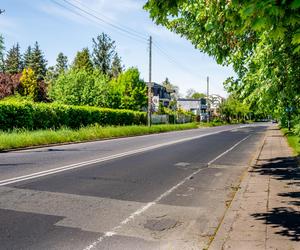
<point x="32" y="116"/>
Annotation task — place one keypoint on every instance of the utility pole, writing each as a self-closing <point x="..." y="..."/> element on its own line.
<point x="149" y="83"/>
<point x="207" y="99"/>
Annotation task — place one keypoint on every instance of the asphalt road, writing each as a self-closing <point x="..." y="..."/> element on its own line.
<point x="166" y="191"/>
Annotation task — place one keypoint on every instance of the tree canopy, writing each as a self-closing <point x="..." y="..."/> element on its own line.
<point x="103" y="52"/>
<point x="13" y="61"/>
<point x="260" y="39"/>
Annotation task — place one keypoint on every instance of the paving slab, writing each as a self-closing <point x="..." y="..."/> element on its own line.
<point x="265" y="212"/>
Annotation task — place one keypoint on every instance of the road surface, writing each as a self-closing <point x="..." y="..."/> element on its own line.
<point x="165" y="191"/>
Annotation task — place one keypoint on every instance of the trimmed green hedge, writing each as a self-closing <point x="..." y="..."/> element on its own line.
<point x="32" y="116"/>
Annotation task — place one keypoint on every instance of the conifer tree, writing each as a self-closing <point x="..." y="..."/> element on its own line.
<point x="13" y="62"/>
<point x="83" y="61"/>
<point x="29" y="83"/>
<point x="38" y="62"/>
<point x="103" y="52"/>
<point x="116" y="66"/>
<point x="61" y="63"/>
<point x="27" y="58"/>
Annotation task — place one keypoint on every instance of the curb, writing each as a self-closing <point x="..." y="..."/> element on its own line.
<point x="230" y="214"/>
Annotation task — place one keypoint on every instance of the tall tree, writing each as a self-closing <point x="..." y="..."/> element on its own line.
<point x="13" y="62"/>
<point x="2" y="68"/>
<point x="103" y="52"/>
<point x="83" y="61"/>
<point x="116" y="66"/>
<point x="61" y="63"/>
<point x="27" y="58"/>
<point x="260" y="39"/>
<point x="38" y="62"/>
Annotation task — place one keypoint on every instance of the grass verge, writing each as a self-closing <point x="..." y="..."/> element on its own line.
<point x="293" y="140"/>
<point x="25" y="138"/>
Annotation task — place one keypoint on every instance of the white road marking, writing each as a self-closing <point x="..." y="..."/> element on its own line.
<point x="158" y="199"/>
<point x="228" y="150"/>
<point x="99" y="160"/>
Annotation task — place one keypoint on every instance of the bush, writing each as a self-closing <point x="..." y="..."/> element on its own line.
<point x="32" y="116"/>
<point x="296" y="130"/>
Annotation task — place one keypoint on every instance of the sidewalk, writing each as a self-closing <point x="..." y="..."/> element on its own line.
<point x="265" y="213"/>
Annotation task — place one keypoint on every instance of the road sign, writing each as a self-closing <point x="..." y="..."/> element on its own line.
<point x="155" y="103"/>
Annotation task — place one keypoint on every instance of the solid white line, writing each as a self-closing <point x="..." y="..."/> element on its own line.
<point x="158" y="199"/>
<point x="99" y="160"/>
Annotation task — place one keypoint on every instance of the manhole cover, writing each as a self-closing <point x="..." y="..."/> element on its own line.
<point x="160" y="225"/>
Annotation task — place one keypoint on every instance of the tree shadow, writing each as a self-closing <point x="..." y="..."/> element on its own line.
<point x="285" y="219"/>
<point x="280" y="168"/>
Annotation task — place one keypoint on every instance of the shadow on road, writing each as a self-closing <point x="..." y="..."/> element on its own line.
<point x="286" y="218"/>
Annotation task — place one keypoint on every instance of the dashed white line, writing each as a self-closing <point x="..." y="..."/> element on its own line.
<point x="150" y="204"/>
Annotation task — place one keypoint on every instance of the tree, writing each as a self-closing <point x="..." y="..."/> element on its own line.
<point x="27" y="58"/>
<point x="80" y="87"/>
<point x="260" y="39"/>
<point x="2" y="68"/>
<point x="103" y="52"/>
<point x="128" y="91"/>
<point x="116" y="66"/>
<point x="37" y="62"/>
<point x="13" y="62"/>
<point x="191" y="93"/>
<point x="61" y="63"/>
<point x="9" y="84"/>
<point x="83" y="61"/>
<point x="29" y="83"/>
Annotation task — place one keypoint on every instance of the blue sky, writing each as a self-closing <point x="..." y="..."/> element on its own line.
<point x="58" y="29"/>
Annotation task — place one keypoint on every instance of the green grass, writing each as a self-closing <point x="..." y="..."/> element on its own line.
<point x="293" y="140"/>
<point x="25" y="138"/>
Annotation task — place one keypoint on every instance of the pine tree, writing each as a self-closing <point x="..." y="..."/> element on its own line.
<point x="27" y="58"/>
<point x="13" y="62"/>
<point x="103" y="52"/>
<point x="38" y="62"/>
<point x="116" y="67"/>
<point x="83" y="61"/>
<point x="61" y="63"/>
<point x="2" y="68"/>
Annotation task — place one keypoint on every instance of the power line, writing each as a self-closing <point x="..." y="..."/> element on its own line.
<point x="75" y="10"/>
<point x="105" y="18"/>
<point x="127" y="31"/>
<point x="173" y="60"/>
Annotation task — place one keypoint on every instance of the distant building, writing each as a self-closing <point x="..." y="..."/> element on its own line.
<point x="214" y="104"/>
<point x="197" y="106"/>
<point x="163" y="94"/>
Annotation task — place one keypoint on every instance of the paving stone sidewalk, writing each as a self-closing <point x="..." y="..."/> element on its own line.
<point x="265" y="213"/>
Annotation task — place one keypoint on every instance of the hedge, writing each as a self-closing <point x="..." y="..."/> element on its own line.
<point x="32" y="116"/>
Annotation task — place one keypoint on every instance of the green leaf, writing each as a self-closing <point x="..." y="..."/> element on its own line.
<point x="296" y="38"/>
<point x="259" y="24"/>
<point x="295" y="4"/>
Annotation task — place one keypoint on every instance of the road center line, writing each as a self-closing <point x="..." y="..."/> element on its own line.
<point x="102" y="159"/>
<point x="158" y="199"/>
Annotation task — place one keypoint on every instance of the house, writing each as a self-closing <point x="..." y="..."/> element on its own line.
<point x="163" y="94"/>
<point x="197" y="106"/>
